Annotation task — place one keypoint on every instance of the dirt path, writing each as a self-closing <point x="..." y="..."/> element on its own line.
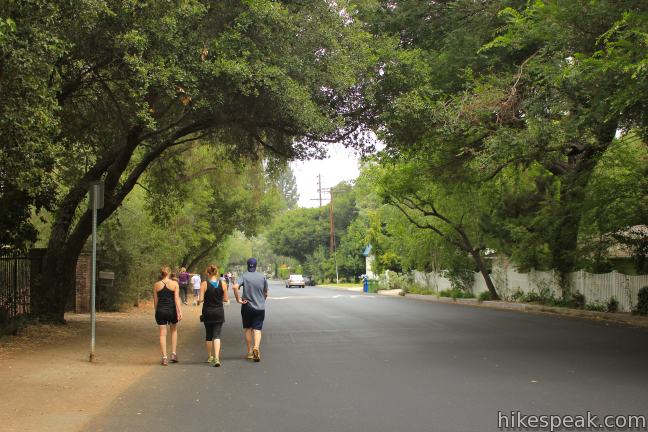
<point x="47" y="382"/>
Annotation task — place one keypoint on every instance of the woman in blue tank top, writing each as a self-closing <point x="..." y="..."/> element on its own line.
<point x="213" y="292"/>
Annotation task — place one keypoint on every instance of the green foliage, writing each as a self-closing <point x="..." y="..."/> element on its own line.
<point x="304" y="233"/>
<point x="402" y="281"/>
<point x="456" y="293"/>
<point x="484" y="296"/>
<point x="287" y="186"/>
<point x="642" y="302"/>
<point x="182" y="224"/>
<point x="298" y="233"/>
<point x="413" y="289"/>
<point x="612" y="305"/>
<point x="29" y="123"/>
<point x="460" y="271"/>
<point x="284" y="273"/>
<point x="495" y="126"/>
<point x="596" y="307"/>
<point x="545" y="297"/>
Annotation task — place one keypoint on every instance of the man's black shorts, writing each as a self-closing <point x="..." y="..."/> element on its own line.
<point x="252" y="318"/>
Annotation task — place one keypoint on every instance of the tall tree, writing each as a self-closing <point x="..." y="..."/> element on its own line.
<point x="510" y="90"/>
<point x="287" y="185"/>
<point x="138" y="79"/>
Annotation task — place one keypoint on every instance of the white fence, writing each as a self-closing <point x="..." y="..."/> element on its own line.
<point x="597" y="288"/>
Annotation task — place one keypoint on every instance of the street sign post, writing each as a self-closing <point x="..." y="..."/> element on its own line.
<point x="96" y="202"/>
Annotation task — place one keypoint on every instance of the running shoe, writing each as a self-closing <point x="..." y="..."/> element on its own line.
<point x="210" y="360"/>
<point x="174" y="358"/>
<point x="165" y="361"/>
<point x="250" y="356"/>
<point x="256" y="355"/>
<point x="216" y="363"/>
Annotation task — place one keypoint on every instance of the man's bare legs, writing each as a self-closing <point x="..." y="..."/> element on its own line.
<point x="257" y="339"/>
<point x="248" y="341"/>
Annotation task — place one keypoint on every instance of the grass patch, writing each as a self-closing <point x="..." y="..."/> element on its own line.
<point x="419" y="290"/>
<point x="344" y="285"/>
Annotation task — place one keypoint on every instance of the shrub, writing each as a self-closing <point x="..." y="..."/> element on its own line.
<point x="484" y="296"/>
<point x="414" y="289"/>
<point x="532" y="297"/>
<point x="642" y="302"/>
<point x="517" y="296"/>
<point x="612" y="305"/>
<point x="577" y="300"/>
<point x="455" y="293"/>
<point x="596" y="306"/>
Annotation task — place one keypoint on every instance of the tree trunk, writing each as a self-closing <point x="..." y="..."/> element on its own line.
<point x="68" y="237"/>
<point x="59" y="280"/>
<point x="479" y="262"/>
<point x="202" y="254"/>
<point x="564" y="238"/>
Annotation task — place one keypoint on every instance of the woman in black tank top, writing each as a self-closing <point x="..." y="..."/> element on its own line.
<point x="167" y="312"/>
<point x="213" y="292"/>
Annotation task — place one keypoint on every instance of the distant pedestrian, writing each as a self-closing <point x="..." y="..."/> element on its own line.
<point x="213" y="293"/>
<point x="183" y="279"/>
<point x="166" y="299"/>
<point x="252" y="299"/>
<point x="195" y="282"/>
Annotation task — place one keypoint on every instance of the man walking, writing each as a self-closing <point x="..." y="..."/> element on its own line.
<point x="252" y="299"/>
<point x="195" y="282"/>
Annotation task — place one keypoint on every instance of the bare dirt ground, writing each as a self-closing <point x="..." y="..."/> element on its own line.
<point x="47" y="382"/>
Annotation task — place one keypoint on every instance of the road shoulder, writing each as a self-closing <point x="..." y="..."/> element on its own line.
<point x="48" y="382"/>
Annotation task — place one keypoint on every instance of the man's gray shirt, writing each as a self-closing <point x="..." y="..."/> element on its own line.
<point x="255" y="288"/>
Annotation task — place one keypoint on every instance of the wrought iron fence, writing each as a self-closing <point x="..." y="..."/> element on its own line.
<point x="14" y="285"/>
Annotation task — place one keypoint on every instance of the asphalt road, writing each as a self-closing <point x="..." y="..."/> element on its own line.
<point x="341" y="361"/>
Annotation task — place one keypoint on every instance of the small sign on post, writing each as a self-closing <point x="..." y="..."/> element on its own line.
<point x="98" y="189"/>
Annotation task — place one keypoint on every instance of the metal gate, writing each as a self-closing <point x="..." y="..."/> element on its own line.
<point x="14" y="285"/>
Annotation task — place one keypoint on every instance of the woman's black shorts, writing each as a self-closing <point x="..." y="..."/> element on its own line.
<point x="252" y="318"/>
<point x="164" y="317"/>
<point x="213" y="331"/>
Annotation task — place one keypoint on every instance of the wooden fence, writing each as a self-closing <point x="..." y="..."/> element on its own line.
<point x="597" y="288"/>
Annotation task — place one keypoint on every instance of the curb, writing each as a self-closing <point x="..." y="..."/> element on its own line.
<point x="355" y="289"/>
<point x="621" y="318"/>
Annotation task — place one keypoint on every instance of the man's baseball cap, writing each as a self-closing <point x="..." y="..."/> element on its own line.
<point x="251" y="264"/>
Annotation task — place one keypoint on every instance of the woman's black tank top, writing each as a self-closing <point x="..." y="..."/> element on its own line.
<point x="213" y="295"/>
<point x="166" y="299"/>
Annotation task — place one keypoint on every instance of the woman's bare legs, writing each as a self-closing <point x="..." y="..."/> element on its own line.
<point x="163" y="345"/>
<point x="174" y="337"/>
<point x="217" y="347"/>
<point x="209" y="345"/>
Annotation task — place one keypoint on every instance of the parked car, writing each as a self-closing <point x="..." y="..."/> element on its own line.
<point x="295" y="281"/>
<point x="309" y="281"/>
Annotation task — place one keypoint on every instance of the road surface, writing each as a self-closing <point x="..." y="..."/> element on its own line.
<point x="343" y="361"/>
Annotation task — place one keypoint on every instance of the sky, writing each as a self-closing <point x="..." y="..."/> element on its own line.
<point x="341" y="164"/>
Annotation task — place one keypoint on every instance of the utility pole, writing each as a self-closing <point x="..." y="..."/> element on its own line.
<point x="332" y="246"/>
<point x="332" y="223"/>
